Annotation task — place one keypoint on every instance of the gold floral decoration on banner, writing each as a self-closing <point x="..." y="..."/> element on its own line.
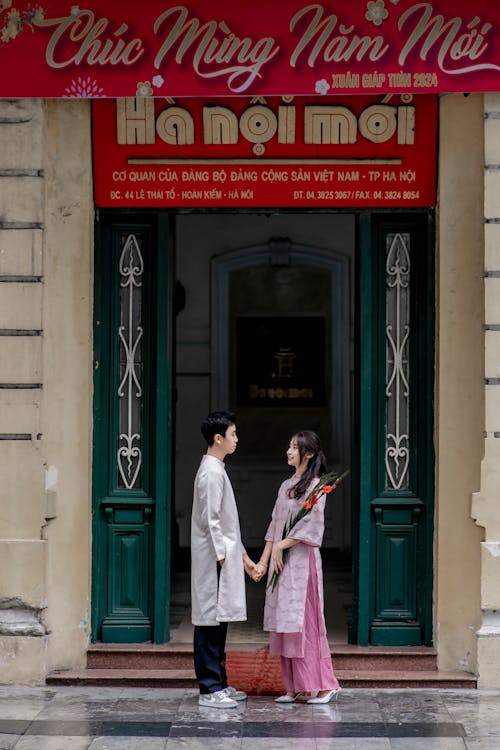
<point x="13" y="21"/>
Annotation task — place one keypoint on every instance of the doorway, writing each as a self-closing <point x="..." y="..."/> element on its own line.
<point x="319" y="320"/>
<point x="266" y="331"/>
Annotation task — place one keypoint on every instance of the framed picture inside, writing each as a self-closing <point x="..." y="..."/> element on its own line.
<point x="280" y="361"/>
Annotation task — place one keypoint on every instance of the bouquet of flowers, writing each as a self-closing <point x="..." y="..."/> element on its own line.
<point x="327" y="483"/>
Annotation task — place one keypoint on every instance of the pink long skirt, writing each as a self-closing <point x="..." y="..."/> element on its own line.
<point x="314" y="670"/>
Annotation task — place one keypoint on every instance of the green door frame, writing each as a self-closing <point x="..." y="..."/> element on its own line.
<point x="131" y="526"/>
<point x="392" y="603"/>
<point x="393" y="579"/>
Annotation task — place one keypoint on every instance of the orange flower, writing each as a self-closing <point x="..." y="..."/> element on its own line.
<point x="308" y="504"/>
<point x="328" y="488"/>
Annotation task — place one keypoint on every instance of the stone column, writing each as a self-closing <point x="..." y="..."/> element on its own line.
<point x="46" y="215"/>
<point x="23" y="632"/>
<point x="486" y="502"/>
<point x="459" y="416"/>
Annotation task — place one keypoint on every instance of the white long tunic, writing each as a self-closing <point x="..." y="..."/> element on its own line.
<point x="215" y="535"/>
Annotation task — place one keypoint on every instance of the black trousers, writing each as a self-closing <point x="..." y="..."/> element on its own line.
<point x="209" y="647"/>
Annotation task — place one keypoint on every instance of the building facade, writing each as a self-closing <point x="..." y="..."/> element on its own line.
<point x="122" y="325"/>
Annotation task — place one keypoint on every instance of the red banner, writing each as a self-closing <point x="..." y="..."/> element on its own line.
<point x="354" y="151"/>
<point x="52" y="48"/>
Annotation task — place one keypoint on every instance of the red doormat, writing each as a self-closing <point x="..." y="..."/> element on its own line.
<point x="255" y="672"/>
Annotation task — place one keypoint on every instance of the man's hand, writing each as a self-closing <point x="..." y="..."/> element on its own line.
<point x="251" y="568"/>
<point x="221" y="562"/>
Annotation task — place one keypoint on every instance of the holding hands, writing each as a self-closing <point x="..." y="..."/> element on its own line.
<point x="255" y="570"/>
<point x="249" y="566"/>
<point x="260" y="571"/>
<point x="273" y="551"/>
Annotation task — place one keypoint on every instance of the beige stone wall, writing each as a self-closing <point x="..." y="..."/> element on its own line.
<point x="45" y="385"/>
<point x="459" y="386"/>
<point x="46" y="250"/>
<point x="486" y="505"/>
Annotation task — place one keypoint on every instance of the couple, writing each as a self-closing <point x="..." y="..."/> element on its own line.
<point x="294" y="607"/>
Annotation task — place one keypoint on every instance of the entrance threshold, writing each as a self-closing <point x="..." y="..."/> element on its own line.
<point x="253" y="669"/>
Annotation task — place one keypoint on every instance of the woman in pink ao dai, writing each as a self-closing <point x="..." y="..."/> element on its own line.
<point x="293" y="612"/>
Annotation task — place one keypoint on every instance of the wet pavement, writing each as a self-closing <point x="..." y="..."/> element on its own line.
<point x="100" y="718"/>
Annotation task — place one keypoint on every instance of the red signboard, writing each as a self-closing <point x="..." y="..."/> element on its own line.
<point x="350" y="151"/>
<point x="54" y="48"/>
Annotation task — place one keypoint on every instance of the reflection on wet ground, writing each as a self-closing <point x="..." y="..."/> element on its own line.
<point x="100" y="718"/>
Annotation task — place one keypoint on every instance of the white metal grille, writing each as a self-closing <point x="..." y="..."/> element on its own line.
<point x="397" y="388"/>
<point x="131" y="267"/>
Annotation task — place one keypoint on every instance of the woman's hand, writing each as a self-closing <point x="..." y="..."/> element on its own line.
<point x="277" y="557"/>
<point x="260" y="571"/>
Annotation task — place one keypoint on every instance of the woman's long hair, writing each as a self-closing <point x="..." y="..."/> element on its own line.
<point x="308" y="442"/>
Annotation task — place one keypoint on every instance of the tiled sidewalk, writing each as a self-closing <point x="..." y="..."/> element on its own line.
<point x="71" y="718"/>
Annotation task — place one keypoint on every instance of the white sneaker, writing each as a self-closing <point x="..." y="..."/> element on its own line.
<point x="236" y="695"/>
<point x="219" y="699"/>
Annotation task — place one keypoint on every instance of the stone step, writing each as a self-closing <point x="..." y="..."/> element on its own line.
<point x="260" y="673"/>
<point x="401" y="678"/>
<point x="140" y="656"/>
<point x="180" y="656"/>
<point x="172" y="678"/>
<point x="253" y="669"/>
<point x="267" y="684"/>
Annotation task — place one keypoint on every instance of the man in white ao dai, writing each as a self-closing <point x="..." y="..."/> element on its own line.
<point x="218" y="564"/>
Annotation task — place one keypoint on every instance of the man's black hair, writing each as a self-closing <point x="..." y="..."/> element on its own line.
<point x="216" y="423"/>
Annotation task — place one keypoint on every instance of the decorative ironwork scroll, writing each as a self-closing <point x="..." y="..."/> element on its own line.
<point x="397" y="388"/>
<point x="129" y="455"/>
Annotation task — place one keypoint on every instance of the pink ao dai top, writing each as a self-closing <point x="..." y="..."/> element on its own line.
<point x="285" y="606"/>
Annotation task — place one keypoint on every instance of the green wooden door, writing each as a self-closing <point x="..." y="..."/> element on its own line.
<point x="132" y="430"/>
<point x="393" y="591"/>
